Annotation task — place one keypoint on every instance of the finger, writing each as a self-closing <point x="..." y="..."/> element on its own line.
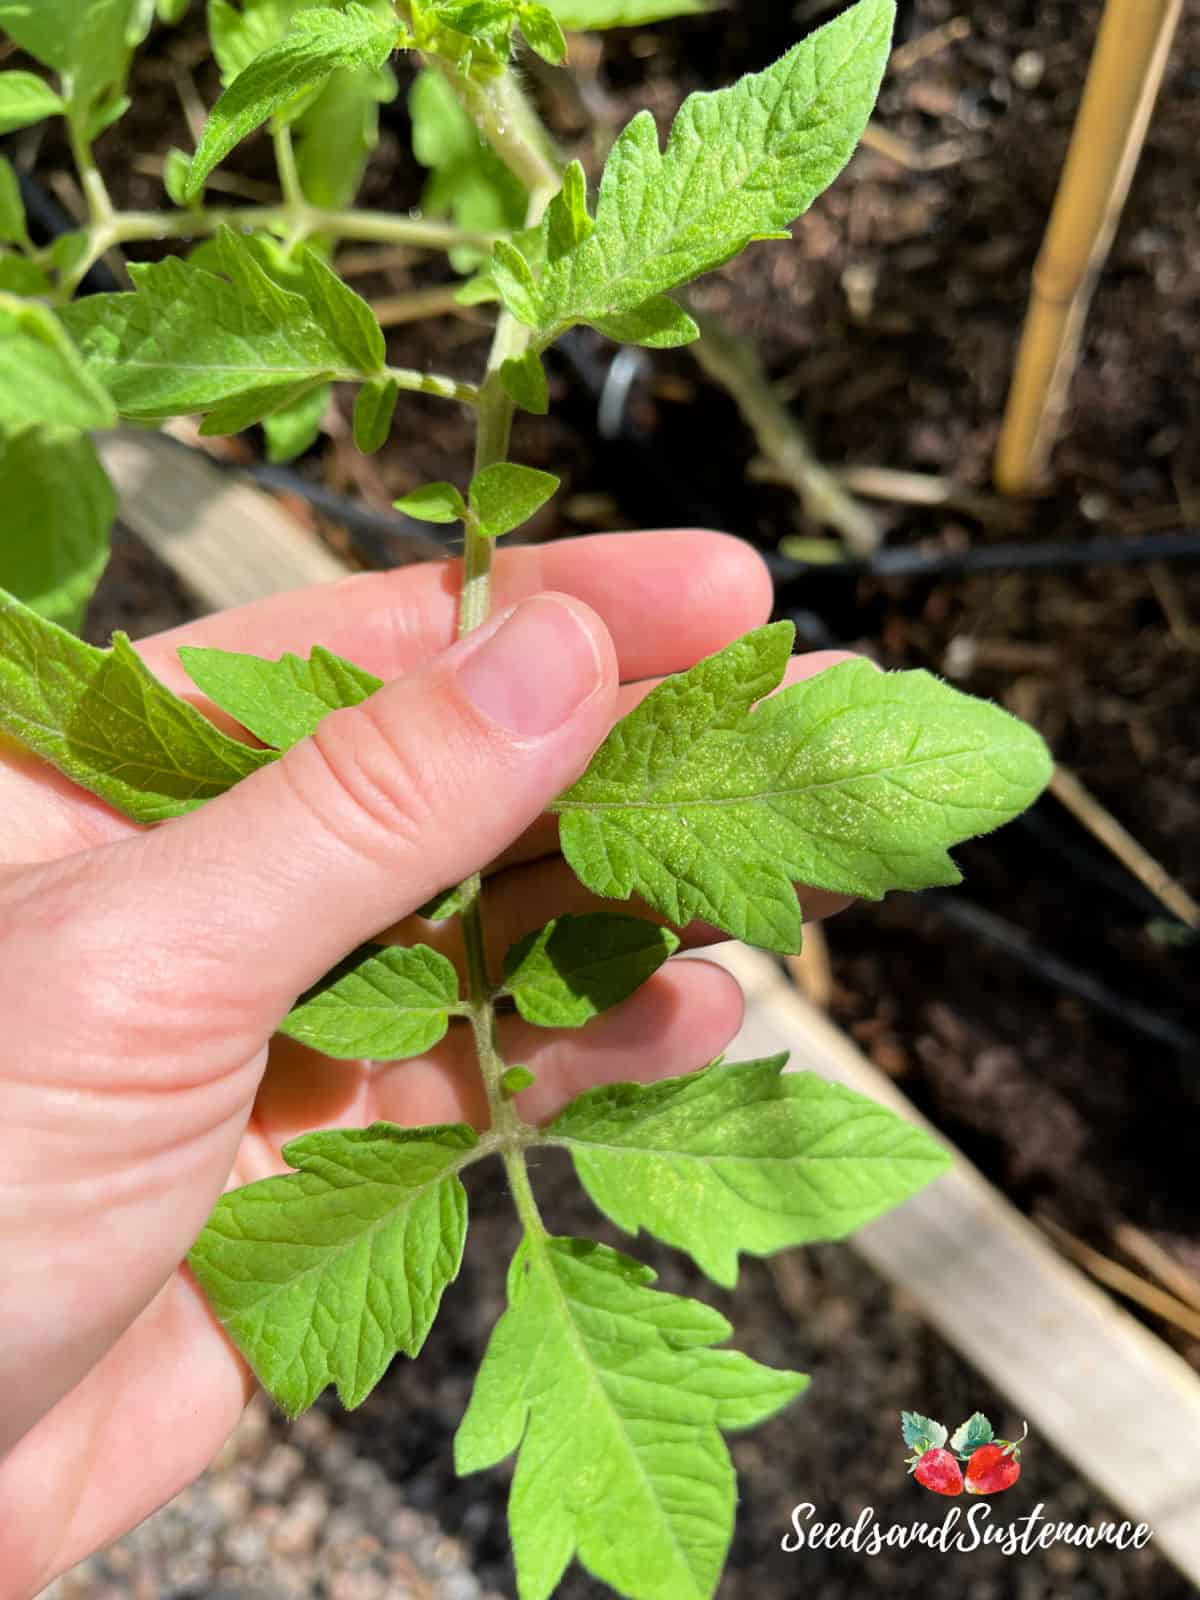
<point x="143" y="1423"/>
<point x="423" y="783"/>
<point x="523" y="899"/>
<point x="541" y="839"/>
<point x="153" y="1413"/>
<point x="666" y="598"/>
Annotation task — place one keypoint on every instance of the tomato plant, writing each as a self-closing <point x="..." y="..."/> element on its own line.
<point x="710" y="800"/>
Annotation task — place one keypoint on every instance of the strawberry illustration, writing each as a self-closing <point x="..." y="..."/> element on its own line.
<point x="994" y="1467"/>
<point x="939" y="1471"/>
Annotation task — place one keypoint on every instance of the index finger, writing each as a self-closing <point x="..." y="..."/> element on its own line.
<point x="667" y="598"/>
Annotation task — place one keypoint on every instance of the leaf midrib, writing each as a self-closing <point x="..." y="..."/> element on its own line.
<point x="571" y="1142"/>
<point x="592" y="1371"/>
<point x="322" y="1266"/>
<point x="652" y="803"/>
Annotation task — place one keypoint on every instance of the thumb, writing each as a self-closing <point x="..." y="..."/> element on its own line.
<point x="256" y="895"/>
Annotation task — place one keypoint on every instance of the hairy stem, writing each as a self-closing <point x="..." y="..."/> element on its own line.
<point x="509" y="124"/>
<point x="430" y="383"/>
<point x="504" y="118"/>
<point x="285" y="165"/>
<point x="95" y="191"/>
<point x="522" y="1191"/>
<point x="295" y="223"/>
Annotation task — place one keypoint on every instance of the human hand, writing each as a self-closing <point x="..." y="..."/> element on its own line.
<point x="143" y="974"/>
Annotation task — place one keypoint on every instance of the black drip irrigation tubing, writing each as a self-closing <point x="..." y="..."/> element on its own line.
<point x="1060" y="974"/>
<point x="1183" y="544"/>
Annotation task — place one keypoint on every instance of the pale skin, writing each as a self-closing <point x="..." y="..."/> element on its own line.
<point x="143" y="974"/>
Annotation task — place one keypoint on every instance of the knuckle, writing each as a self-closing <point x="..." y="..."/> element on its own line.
<point x="366" y="784"/>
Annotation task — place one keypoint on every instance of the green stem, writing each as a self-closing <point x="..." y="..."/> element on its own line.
<point x="95" y="192"/>
<point x="509" y="124"/>
<point x="522" y="1191"/>
<point x="429" y="383"/>
<point x="295" y="223"/>
<point x="505" y="120"/>
<point x="285" y="165"/>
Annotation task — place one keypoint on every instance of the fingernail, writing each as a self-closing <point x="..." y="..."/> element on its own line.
<point x="538" y="667"/>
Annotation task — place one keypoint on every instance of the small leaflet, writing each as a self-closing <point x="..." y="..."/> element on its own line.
<point x="319" y="42"/>
<point x="279" y="702"/>
<point x="190" y="340"/>
<point x="322" y="1276"/>
<point x="856" y="781"/>
<point x="744" y="1157"/>
<point x="614" y="1398"/>
<point x="575" y="967"/>
<point x="505" y="495"/>
<point x="104" y="721"/>
<point x="383" y="1003"/>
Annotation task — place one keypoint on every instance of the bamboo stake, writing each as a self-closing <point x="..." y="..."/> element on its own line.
<point x="1123" y="82"/>
<point x="1111" y="1273"/>
<point x="1172" y="1274"/>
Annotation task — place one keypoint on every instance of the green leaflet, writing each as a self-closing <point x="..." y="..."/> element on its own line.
<point x="658" y="324"/>
<point x="505" y="495"/>
<point x="383" y="1003"/>
<point x="467" y="181"/>
<point x="583" y="14"/>
<point x="447" y="904"/>
<point x="856" y="781"/>
<point x="280" y="702"/>
<point x="543" y="33"/>
<point x="615" y="1399"/>
<point x="374" y="408"/>
<point x="240" y="411"/>
<point x="12" y="209"/>
<point x="292" y="429"/>
<point x="434" y="502"/>
<point x="322" y="1276"/>
<point x="107" y="723"/>
<point x="20" y="276"/>
<point x="338" y="132"/>
<point x="56" y="509"/>
<point x="740" y="164"/>
<point x="87" y="41"/>
<point x="524" y="380"/>
<point x="41" y="376"/>
<point x="240" y="30"/>
<point x="565" y="973"/>
<point x="334" y="132"/>
<point x="176" y="166"/>
<point x="319" y="42"/>
<point x="26" y="99"/>
<point x="189" y="340"/>
<point x="742" y="1158"/>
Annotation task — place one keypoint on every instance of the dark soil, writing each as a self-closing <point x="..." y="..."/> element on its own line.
<point x="893" y="326"/>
